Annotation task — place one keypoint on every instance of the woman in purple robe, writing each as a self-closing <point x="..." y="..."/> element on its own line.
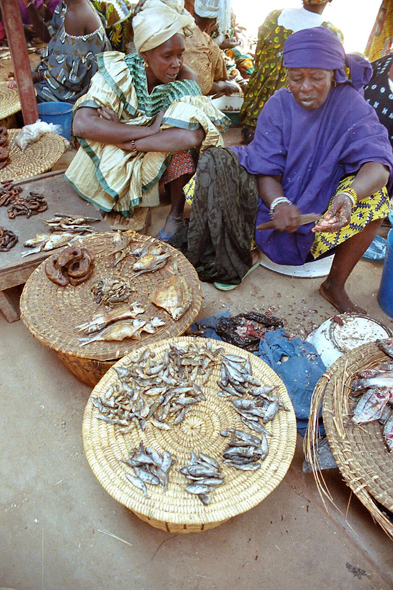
<point x="318" y="148"/>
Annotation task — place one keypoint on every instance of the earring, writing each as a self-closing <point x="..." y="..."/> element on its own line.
<point x="145" y="63"/>
<point x="288" y="90"/>
<point x="334" y="84"/>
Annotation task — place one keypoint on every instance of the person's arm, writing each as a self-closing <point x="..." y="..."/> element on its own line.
<point x="167" y="140"/>
<point x="37" y="21"/>
<point x="285" y="215"/>
<point x="372" y="176"/>
<point x="226" y="87"/>
<point x="81" y="20"/>
<point x="90" y="123"/>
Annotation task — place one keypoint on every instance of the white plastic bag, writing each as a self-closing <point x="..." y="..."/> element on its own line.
<point x="33" y="132"/>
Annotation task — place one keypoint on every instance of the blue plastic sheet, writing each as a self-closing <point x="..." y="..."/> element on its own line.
<point x="377" y="249"/>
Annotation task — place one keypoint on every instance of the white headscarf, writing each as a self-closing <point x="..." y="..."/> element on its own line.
<point x="158" y="21"/>
<point x="206" y="8"/>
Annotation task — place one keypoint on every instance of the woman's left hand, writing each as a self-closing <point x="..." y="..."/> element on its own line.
<point x="337" y="216"/>
<point x="108" y="114"/>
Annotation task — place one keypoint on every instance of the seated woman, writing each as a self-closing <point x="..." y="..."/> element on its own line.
<point x="127" y="143"/>
<point x="318" y="148"/>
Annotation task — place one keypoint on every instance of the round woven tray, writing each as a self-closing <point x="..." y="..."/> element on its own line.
<point x="51" y="313"/>
<point x="38" y="158"/>
<point x="9" y="100"/>
<point x="176" y="510"/>
<point x="360" y="451"/>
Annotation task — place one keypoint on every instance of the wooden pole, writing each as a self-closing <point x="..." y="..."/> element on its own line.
<point x="17" y="43"/>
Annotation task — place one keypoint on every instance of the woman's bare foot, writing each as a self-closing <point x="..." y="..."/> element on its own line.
<point x="172" y="224"/>
<point x="339" y="299"/>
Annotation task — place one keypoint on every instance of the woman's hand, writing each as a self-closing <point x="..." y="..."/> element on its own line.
<point x="337" y="216"/>
<point x="231" y="87"/>
<point x="286" y="217"/>
<point x="229" y="43"/>
<point x="108" y="114"/>
<point x="155" y="128"/>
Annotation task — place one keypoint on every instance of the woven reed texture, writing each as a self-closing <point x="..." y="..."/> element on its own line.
<point x="38" y="158"/>
<point x="177" y="511"/>
<point x="51" y="313"/>
<point x="360" y="451"/>
<point x="9" y="100"/>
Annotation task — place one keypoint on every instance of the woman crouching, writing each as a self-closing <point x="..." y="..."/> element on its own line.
<point x="128" y="144"/>
<point x="318" y="148"/>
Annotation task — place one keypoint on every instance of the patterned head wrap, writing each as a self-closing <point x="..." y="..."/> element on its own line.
<point x="320" y="48"/>
<point x="158" y="21"/>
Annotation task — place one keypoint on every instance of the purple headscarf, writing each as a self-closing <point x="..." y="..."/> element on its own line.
<point x="320" y="48"/>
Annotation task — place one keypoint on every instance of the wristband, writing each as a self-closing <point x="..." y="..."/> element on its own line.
<point x="351" y="193"/>
<point x="133" y="146"/>
<point x="276" y="202"/>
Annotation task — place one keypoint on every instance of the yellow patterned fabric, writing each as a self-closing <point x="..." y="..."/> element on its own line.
<point x="119" y="180"/>
<point x="380" y="42"/>
<point x="376" y="206"/>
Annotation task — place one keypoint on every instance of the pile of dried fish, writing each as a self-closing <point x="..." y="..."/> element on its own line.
<point x="48" y="242"/>
<point x="150" y="258"/>
<point x="237" y="380"/>
<point x="245" y="451"/>
<point x="111" y="291"/>
<point x="102" y="319"/>
<point x="73" y="265"/>
<point x="7" y="239"/>
<point x="9" y="193"/>
<point x="33" y="204"/>
<point x="376" y="389"/>
<point x="70" y="223"/>
<point x="205" y="475"/>
<point x="122" y="241"/>
<point x="120" y="330"/>
<point x="149" y="467"/>
<point x="160" y="393"/>
<point x="174" y="295"/>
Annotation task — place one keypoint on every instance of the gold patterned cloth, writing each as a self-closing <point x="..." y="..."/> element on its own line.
<point x="376" y="206"/>
<point x="204" y="57"/>
<point x="380" y="42"/>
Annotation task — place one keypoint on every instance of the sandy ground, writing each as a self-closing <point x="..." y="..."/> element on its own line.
<point x="60" y="529"/>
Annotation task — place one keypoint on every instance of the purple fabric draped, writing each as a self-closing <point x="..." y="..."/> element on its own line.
<point x="320" y="48"/>
<point x="311" y="151"/>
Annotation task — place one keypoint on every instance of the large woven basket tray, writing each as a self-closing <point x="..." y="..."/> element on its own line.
<point x="39" y="157"/>
<point x="51" y="313"/>
<point x="9" y="100"/>
<point x="176" y="510"/>
<point x="360" y="451"/>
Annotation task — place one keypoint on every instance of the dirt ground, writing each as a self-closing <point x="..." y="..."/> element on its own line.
<point x="61" y="530"/>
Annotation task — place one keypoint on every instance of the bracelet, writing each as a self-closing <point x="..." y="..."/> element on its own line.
<point x="133" y="146"/>
<point x="276" y="202"/>
<point x="352" y="194"/>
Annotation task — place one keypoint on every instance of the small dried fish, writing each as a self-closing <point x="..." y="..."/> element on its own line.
<point x="117" y="331"/>
<point x="371" y="405"/>
<point x="102" y="319"/>
<point x="150" y="467"/>
<point x="245" y="451"/>
<point x="388" y="434"/>
<point x="47" y="242"/>
<point x="205" y="475"/>
<point x="150" y="258"/>
<point x="386" y="346"/>
<point x="175" y="296"/>
<point x="111" y="291"/>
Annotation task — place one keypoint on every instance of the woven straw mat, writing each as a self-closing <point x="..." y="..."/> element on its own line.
<point x="9" y="101"/>
<point x="176" y="510"/>
<point x="51" y="313"/>
<point x="360" y="451"/>
<point x="38" y="158"/>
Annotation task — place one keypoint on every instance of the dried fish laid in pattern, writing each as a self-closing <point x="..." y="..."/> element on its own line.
<point x="8" y="239"/>
<point x="122" y="241"/>
<point x="150" y="258"/>
<point x="174" y="295"/>
<point x="111" y="291"/>
<point x="73" y="265"/>
<point x="70" y="223"/>
<point x="29" y="205"/>
<point x="375" y="387"/>
<point x="102" y="319"/>
<point x="48" y="242"/>
<point x="150" y="467"/>
<point x="205" y="475"/>
<point x="160" y="393"/>
<point x="244" y="451"/>
<point x="237" y="381"/>
<point x="117" y="332"/>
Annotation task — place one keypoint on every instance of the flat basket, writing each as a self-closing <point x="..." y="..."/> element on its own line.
<point x="51" y="313"/>
<point x="360" y="451"/>
<point x="9" y="100"/>
<point x="177" y="511"/>
<point x="39" y="157"/>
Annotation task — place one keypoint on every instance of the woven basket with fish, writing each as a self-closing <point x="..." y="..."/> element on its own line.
<point x="361" y="449"/>
<point x="189" y="433"/>
<point x="141" y="290"/>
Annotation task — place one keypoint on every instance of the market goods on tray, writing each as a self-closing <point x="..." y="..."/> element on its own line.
<point x="7" y="239"/>
<point x="110" y="291"/>
<point x="120" y="330"/>
<point x="150" y="467"/>
<point x="150" y="258"/>
<point x="375" y="387"/>
<point x="3" y="136"/>
<point x="70" y="223"/>
<point x="73" y="266"/>
<point x="4" y="156"/>
<point x="29" y="205"/>
<point x="48" y="242"/>
<point x="205" y="475"/>
<point x="8" y="192"/>
<point x="174" y="295"/>
<point x="102" y="319"/>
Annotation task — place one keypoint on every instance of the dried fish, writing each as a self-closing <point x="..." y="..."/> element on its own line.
<point x="150" y="258"/>
<point x="111" y="291"/>
<point x="47" y="242"/>
<point x="205" y="475"/>
<point x="102" y="319"/>
<point x="371" y="405"/>
<point x="386" y="346"/>
<point x="388" y="434"/>
<point x="117" y="332"/>
<point x="245" y="451"/>
<point x="8" y="239"/>
<point x="175" y="296"/>
<point x="150" y="467"/>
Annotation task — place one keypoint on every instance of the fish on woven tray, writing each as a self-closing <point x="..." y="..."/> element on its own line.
<point x="70" y="223"/>
<point x="150" y="258"/>
<point x="73" y="266"/>
<point x="48" y="242"/>
<point x="173" y="295"/>
<point x="8" y="239"/>
<point x="120" y="330"/>
<point x="149" y="467"/>
<point x="245" y="451"/>
<point x="205" y="474"/>
<point x="110" y="291"/>
<point x="102" y="319"/>
<point x="29" y="205"/>
<point x="4" y="156"/>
